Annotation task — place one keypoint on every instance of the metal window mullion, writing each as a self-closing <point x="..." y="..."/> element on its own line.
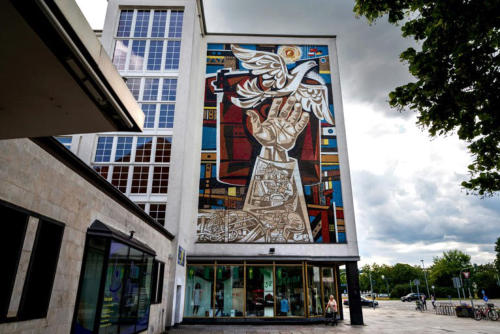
<point x="133" y="149"/>
<point x="274" y="288"/>
<point x="128" y="55"/>
<point x="114" y="144"/>
<point x="129" y="179"/>
<point x="142" y="84"/>
<point x="146" y="55"/>
<point x="167" y="24"/>
<point x="322" y="297"/>
<point x="306" y="290"/>
<point x="156" y="122"/>
<point x="163" y="56"/>
<point x="132" y="26"/>
<point x="160" y="89"/>
<point x="150" y="24"/>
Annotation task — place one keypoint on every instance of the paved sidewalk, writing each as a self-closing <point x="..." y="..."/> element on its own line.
<point x="390" y="317"/>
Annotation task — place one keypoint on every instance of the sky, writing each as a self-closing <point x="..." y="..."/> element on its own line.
<point x="408" y="202"/>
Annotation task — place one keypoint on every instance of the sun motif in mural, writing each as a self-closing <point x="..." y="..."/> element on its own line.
<point x="290" y="53"/>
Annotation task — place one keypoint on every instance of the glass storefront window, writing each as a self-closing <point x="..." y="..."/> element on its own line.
<point x="229" y="291"/>
<point x="314" y="291"/>
<point x="328" y="285"/>
<point x="199" y="291"/>
<point x="259" y="291"/>
<point x="289" y="291"/>
<point x="123" y="274"/>
<point x="87" y="306"/>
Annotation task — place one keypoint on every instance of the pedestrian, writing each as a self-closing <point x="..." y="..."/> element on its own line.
<point x="433" y="301"/>
<point x="331" y="311"/>
<point x="424" y="303"/>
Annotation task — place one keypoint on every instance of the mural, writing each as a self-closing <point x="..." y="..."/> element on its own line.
<point x="269" y="161"/>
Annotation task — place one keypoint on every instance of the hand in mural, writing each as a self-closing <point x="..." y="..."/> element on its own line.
<point x="278" y="133"/>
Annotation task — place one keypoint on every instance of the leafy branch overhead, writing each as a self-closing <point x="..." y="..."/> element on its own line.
<point x="457" y="73"/>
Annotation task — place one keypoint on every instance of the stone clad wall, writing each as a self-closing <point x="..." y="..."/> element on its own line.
<point x="33" y="179"/>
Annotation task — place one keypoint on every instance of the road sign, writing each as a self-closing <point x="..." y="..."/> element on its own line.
<point x="457" y="283"/>
<point x="416" y="281"/>
<point x="466" y="274"/>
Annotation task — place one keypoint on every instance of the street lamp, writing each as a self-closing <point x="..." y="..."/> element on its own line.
<point x="425" y="276"/>
<point x="386" y="285"/>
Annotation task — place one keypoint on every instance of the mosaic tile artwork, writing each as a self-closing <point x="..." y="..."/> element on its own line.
<point x="269" y="162"/>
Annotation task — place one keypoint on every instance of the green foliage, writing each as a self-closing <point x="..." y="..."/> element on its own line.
<point x="486" y="279"/>
<point x="448" y="266"/>
<point x="497" y="259"/>
<point x="457" y="74"/>
<point x="400" y="290"/>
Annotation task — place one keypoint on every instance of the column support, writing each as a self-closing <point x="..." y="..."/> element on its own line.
<point x="352" y="275"/>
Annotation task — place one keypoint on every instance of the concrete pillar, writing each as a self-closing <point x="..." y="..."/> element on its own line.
<point x="355" y="310"/>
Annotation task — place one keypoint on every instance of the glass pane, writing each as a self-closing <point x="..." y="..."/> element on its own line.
<point x="289" y="291"/>
<point x="160" y="180"/>
<point x="91" y="281"/>
<point x="141" y="23"/>
<point x="130" y="299"/>
<point x="175" y="28"/>
<point x="157" y="211"/>
<point x="314" y="291"/>
<point x="113" y="288"/>
<point x="125" y="23"/>
<point x="102" y="170"/>
<point x="149" y="115"/>
<point x="163" y="147"/>
<point x="139" y="180"/>
<point x="120" y="177"/>
<point x="328" y="285"/>
<point x="260" y="296"/>
<point x="66" y="141"/>
<point x="134" y="84"/>
<point x="146" y="269"/>
<point x="143" y="151"/>
<point x="151" y="89"/>
<point x="229" y="291"/>
<point x="199" y="291"/>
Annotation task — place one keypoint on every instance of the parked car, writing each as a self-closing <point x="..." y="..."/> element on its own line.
<point x="411" y="297"/>
<point x="364" y="302"/>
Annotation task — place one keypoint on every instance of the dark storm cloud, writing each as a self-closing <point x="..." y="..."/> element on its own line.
<point x="368" y="55"/>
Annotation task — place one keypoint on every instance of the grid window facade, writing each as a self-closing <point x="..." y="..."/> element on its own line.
<point x="149" y="115"/>
<point x="142" y="23"/>
<point x="166" y="119"/>
<point x="125" y="23"/>
<point x="157" y="211"/>
<point x="169" y="90"/>
<point x="134" y="84"/>
<point x="173" y="54"/>
<point x="151" y="86"/>
<point x="155" y="54"/>
<point x="120" y="177"/>
<point x="175" y="27"/>
<point x="120" y="54"/>
<point x="102" y="170"/>
<point x="143" y="151"/>
<point x="137" y="55"/>
<point x="159" y="23"/>
<point x="140" y="180"/>
<point x="123" y="149"/>
<point x="104" y="147"/>
<point x="160" y="180"/>
<point x="163" y="149"/>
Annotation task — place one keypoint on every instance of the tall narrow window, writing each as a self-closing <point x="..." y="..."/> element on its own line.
<point x="42" y="270"/>
<point x="143" y="151"/>
<point x="123" y="149"/>
<point x="199" y="291"/>
<point x="169" y="89"/>
<point x="175" y="28"/>
<point x="103" y="151"/>
<point x="163" y="147"/>
<point x="160" y="180"/>
<point x="166" y="119"/>
<point x="155" y="54"/>
<point x="159" y="21"/>
<point x="137" y="55"/>
<point x="102" y="170"/>
<point x="290" y="299"/>
<point x="120" y="177"/>
<point x="141" y="23"/>
<point x="149" y="115"/>
<point x="140" y="180"/>
<point x="172" y="55"/>
<point x="14" y="225"/>
<point x="157" y="282"/>
<point x="151" y="89"/>
<point x="125" y="23"/>
<point x="260" y="295"/>
<point x="157" y="211"/>
<point x="120" y="54"/>
<point x="134" y="84"/>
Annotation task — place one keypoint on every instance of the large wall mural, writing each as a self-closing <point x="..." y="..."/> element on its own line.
<point x="269" y="161"/>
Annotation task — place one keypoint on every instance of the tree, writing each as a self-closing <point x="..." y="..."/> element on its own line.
<point x="448" y="266"/>
<point x="497" y="260"/>
<point x="457" y="75"/>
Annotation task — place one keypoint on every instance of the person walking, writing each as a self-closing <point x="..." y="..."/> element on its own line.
<point x="331" y="311"/>
<point x="424" y="303"/>
<point x="433" y="301"/>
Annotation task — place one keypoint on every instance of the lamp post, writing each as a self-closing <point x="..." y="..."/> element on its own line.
<point x="386" y="285"/>
<point x="425" y="276"/>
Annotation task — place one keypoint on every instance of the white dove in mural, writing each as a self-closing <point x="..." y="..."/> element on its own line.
<point x="277" y="82"/>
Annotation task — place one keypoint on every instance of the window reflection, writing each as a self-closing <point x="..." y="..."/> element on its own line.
<point x="260" y="291"/>
<point x="314" y="291"/>
<point x="328" y="285"/>
<point x="289" y="291"/>
<point x="199" y="291"/>
<point x="229" y="291"/>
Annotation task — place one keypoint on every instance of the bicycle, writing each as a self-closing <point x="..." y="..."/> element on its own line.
<point x="486" y="312"/>
<point x="420" y="306"/>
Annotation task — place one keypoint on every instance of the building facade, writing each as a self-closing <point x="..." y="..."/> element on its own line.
<point x="243" y="157"/>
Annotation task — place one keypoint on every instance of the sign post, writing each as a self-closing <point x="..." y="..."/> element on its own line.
<point x="457" y="284"/>
<point x="416" y="281"/>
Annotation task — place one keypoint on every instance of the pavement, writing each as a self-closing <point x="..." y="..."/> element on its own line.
<point x="391" y="316"/>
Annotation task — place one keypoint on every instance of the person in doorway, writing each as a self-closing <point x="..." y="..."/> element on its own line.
<point x="331" y="311"/>
<point x="197" y="292"/>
